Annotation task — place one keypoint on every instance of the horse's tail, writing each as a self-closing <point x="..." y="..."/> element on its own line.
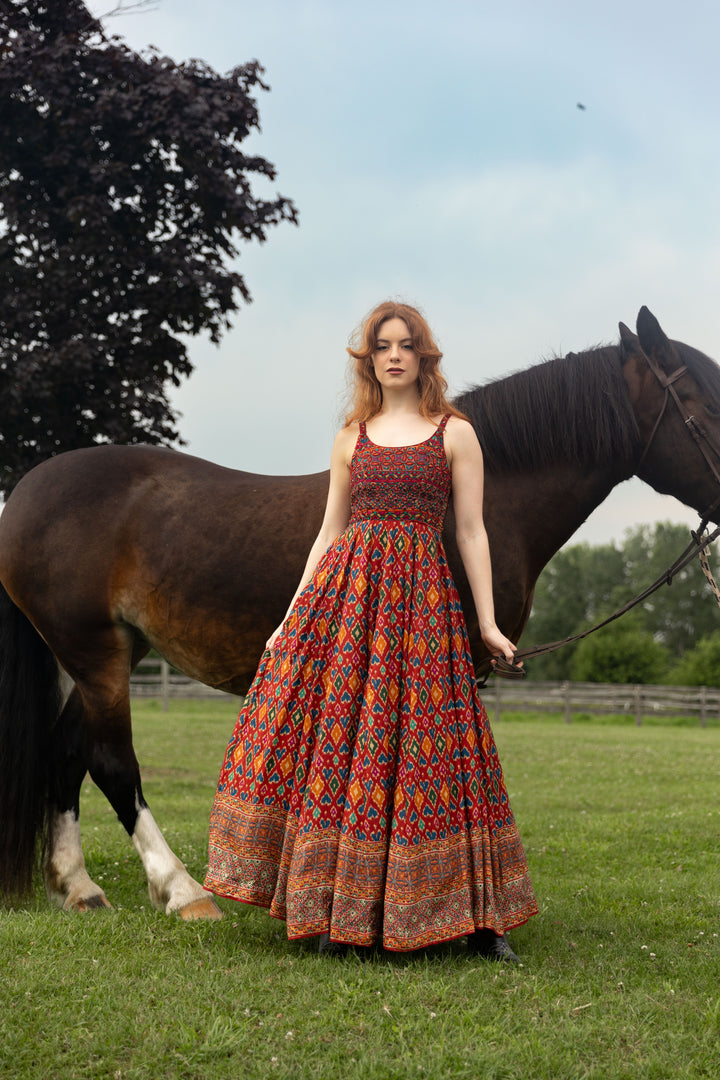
<point x="29" y="705"/>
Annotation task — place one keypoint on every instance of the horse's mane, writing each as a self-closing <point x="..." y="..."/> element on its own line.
<point x="703" y="369"/>
<point x="572" y="408"/>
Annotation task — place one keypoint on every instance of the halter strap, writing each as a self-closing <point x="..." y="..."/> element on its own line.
<point x="666" y="382"/>
<point x="702" y="440"/>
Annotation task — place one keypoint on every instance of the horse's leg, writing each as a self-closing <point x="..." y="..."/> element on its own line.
<point x="67" y="881"/>
<point x="102" y="696"/>
<point x="171" y="887"/>
<point x="114" y="768"/>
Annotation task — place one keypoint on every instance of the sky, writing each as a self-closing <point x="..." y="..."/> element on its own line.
<point x="437" y="154"/>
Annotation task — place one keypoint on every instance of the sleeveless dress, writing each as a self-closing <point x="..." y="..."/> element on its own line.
<point x="361" y="792"/>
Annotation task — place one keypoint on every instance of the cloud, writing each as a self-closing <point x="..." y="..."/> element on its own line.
<point x="437" y="154"/>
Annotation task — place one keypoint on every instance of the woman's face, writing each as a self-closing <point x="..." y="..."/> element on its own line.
<point x="395" y="362"/>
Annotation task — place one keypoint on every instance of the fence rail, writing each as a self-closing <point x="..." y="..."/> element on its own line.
<point x="601" y="698"/>
<point x="155" y="678"/>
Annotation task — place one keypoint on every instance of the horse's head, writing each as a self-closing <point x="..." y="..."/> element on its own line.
<point x="675" y="394"/>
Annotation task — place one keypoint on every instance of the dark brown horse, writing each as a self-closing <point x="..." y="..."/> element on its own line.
<point x="109" y="551"/>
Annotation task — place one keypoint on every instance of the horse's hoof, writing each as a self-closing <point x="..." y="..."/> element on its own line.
<point x="87" y="903"/>
<point x="205" y="908"/>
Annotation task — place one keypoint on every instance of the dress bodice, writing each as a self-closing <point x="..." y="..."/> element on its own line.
<point x="406" y="483"/>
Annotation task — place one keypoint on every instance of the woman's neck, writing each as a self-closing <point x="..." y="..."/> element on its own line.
<point x="400" y="423"/>
<point x="400" y="403"/>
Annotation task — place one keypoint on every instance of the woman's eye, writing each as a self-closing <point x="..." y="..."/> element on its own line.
<point x="408" y="347"/>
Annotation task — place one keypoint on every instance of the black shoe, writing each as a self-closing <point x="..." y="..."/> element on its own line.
<point x="491" y="946"/>
<point x="332" y="948"/>
<point x="343" y="948"/>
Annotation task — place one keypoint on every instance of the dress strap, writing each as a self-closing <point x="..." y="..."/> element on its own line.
<point x="443" y="423"/>
<point x="363" y="432"/>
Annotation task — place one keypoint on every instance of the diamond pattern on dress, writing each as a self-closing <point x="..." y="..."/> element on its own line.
<point x="361" y="792"/>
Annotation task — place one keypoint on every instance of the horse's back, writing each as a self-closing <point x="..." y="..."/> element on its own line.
<point x="107" y="484"/>
<point x="152" y="538"/>
<point x="100" y="473"/>
<point x="63" y="502"/>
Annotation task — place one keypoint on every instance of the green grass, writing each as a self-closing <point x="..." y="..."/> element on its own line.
<point x="621" y="975"/>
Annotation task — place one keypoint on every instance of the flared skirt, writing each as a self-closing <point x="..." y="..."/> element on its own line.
<point x="361" y="792"/>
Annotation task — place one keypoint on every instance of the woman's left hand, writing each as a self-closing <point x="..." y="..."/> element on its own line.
<point x="496" y="643"/>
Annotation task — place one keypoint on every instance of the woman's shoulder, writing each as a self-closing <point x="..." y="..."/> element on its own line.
<point x="347" y="436"/>
<point x="461" y="428"/>
<point x="460" y="437"/>
<point x="345" y="440"/>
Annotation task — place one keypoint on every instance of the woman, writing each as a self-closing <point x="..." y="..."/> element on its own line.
<point x="361" y="797"/>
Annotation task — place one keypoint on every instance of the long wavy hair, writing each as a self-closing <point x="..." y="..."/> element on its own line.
<point x="365" y="391"/>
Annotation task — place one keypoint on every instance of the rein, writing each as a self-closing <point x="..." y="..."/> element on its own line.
<point x="698" y="546"/>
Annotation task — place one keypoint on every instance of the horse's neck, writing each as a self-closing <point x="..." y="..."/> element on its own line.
<point x="539" y="511"/>
<point x="529" y="515"/>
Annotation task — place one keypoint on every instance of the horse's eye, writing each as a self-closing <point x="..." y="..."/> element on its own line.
<point x="712" y="408"/>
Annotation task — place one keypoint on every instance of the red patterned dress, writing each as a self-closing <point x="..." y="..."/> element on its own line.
<point x="361" y="792"/>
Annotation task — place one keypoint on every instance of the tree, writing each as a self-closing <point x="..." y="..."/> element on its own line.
<point x="700" y="666"/>
<point x="124" y="191"/>
<point x="582" y="585"/>
<point x="573" y="592"/>
<point x="678" y="615"/>
<point x="625" y="654"/>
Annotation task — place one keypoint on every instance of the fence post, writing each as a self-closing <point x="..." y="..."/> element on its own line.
<point x="637" y="694"/>
<point x="703" y="706"/>
<point x="165" y="684"/>
<point x="566" y="699"/>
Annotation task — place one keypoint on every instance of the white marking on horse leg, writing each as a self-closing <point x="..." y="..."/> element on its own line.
<point x="67" y="882"/>
<point x="171" y="887"/>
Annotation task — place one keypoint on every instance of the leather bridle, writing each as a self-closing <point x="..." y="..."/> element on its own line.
<point x="699" y="542"/>
<point x="702" y="440"/>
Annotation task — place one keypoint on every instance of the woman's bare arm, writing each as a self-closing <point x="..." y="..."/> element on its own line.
<point x="466" y="462"/>
<point x="337" y="513"/>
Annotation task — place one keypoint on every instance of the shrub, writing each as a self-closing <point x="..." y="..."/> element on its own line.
<point x="620" y="655"/>
<point x="699" y="666"/>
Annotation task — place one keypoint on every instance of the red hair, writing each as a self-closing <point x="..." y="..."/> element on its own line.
<point x="366" y="392"/>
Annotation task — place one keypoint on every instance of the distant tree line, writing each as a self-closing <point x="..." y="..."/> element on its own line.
<point x="673" y="637"/>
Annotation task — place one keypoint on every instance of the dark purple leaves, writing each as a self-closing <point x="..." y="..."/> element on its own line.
<point x="124" y="191"/>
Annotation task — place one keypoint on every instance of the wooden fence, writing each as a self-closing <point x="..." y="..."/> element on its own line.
<point x="155" y="678"/>
<point x="633" y="699"/>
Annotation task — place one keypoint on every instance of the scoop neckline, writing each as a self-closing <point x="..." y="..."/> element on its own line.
<point x="404" y="446"/>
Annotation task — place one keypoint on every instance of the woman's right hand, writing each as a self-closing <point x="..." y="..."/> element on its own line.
<point x="270" y="643"/>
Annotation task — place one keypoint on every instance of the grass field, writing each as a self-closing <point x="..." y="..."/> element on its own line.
<point x="621" y="968"/>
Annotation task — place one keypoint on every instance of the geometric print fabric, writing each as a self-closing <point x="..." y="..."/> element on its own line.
<point x="361" y="792"/>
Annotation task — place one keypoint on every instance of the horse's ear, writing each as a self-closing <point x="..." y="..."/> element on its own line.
<point x="629" y="342"/>
<point x="654" y="341"/>
<point x="634" y="363"/>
